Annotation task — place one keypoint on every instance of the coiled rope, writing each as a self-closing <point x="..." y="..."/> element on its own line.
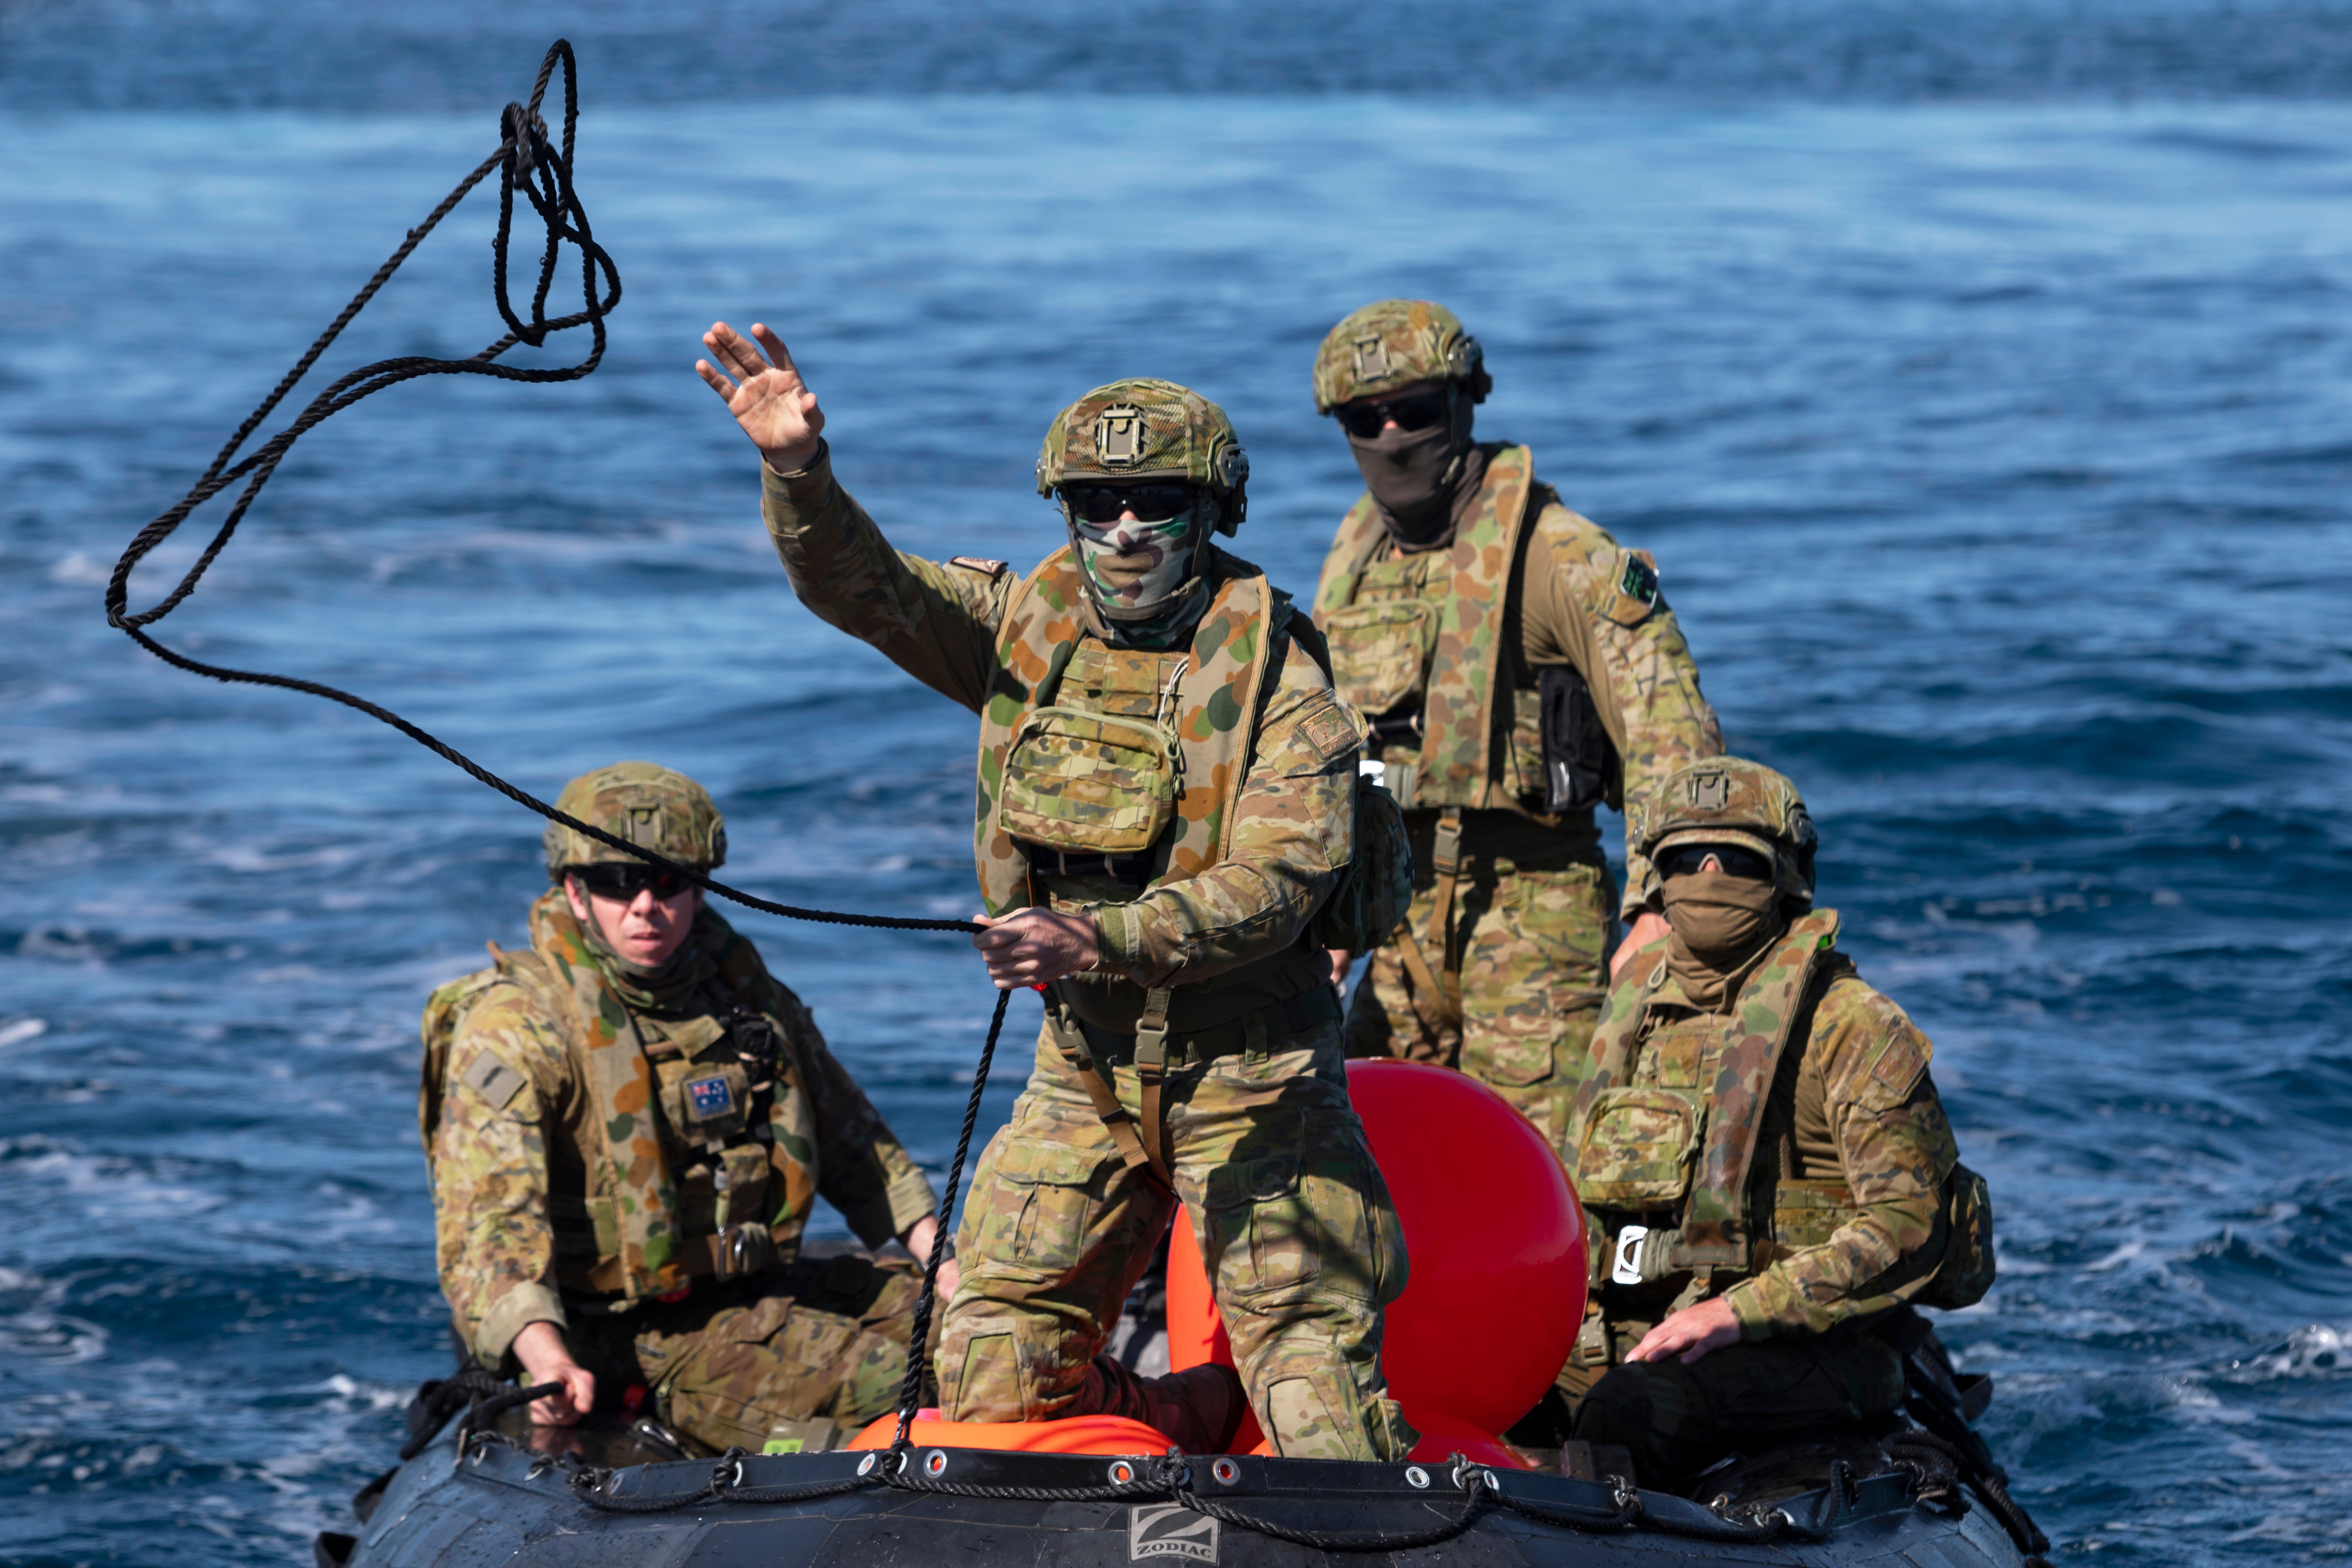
<point x="528" y="162"/>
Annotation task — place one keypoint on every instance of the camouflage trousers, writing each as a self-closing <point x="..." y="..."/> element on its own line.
<point x="1676" y="1420"/>
<point x="1531" y="944"/>
<point x="1299" y="1239"/>
<point x="819" y="1340"/>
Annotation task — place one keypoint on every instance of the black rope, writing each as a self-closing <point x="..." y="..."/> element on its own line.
<point x="1946" y="1428"/>
<point x="527" y="161"/>
<point x="435" y="1401"/>
<point x="1474" y="1484"/>
<point x="910" y="1392"/>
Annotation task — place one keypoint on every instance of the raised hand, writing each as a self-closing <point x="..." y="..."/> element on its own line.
<point x="765" y="394"/>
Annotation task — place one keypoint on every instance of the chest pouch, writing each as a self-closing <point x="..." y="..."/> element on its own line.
<point x="1089" y="784"/>
<point x="1380" y="653"/>
<point x="707" y="1101"/>
<point x="1638" y="1148"/>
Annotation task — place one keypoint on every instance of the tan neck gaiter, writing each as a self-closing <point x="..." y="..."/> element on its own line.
<point x="1722" y="925"/>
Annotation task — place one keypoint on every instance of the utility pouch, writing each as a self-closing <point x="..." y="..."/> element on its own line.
<point x="1379" y="652"/>
<point x="1965" y="1273"/>
<point x="705" y="1102"/>
<point x="1090" y="784"/>
<point x="1638" y="1148"/>
<point x="1580" y="768"/>
<point x="1376" y="890"/>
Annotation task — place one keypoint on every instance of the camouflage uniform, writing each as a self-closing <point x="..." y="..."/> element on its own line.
<point x="1445" y="652"/>
<point x="633" y="1161"/>
<point x="1198" y="803"/>
<point x="1783" y="1149"/>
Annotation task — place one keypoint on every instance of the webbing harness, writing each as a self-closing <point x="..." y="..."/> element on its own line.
<point x="1437" y="990"/>
<point x="1144" y="1146"/>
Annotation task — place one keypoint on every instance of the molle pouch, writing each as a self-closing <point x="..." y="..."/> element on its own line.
<point x="741" y="1180"/>
<point x="1638" y="1148"/>
<point x="1965" y="1273"/>
<point x="1379" y="652"/>
<point x="1580" y="761"/>
<point x="1088" y="783"/>
<point x="705" y="1102"/>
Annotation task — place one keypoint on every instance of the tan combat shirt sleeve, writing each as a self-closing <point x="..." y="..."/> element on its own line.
<point x="1576" y="609"/>
<point x="1293" y="832"/>
<point x="861" y="1168"/>
<point x="1864" y="1103"/>
<point x="509" y="1080"/>
<point x="937" y="623"/>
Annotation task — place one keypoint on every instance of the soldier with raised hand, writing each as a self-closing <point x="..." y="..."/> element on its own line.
<point x="626" y="1126"/>
<point x="1517" y="669"/>
<point x="1166" y="797"/>
<point x="1769" y="1177"/>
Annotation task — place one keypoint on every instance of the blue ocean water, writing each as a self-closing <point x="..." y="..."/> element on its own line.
<point x="1989" y="417"/>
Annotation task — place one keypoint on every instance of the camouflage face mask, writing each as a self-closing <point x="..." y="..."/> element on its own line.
<point x="1141" y="573"/>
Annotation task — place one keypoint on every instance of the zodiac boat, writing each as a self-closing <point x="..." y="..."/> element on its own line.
<point x="485" y="1486"/>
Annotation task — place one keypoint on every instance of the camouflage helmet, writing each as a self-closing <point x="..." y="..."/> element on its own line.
<point x="1395" y="344"/>
<point x="1145" y="428"/>
<point x="1728" y="799"/>
<point x="664" y="811"/>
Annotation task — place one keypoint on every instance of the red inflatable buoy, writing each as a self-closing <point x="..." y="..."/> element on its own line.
<point x="1496" y="1241"/>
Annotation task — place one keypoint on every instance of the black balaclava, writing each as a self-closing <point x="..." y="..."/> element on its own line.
<point x="1421" y="480"/>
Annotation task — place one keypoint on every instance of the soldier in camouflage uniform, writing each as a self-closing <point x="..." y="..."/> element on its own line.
<point x="1517" y="669"/>
<point x="1166" y="795"/>
<point x="1769" y="1176"/>
<point x="626" y="1125"/>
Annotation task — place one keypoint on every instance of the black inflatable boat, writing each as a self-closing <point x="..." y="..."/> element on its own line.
<point x="490" y="1489"/>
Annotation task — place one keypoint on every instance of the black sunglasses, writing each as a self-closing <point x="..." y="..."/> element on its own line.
<point x="1683" y="859"/>
<point x="1154" y="501"/>
<point x="622" y="883"/>
<point x="1363" y="419"/>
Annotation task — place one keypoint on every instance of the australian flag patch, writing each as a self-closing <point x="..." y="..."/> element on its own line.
<point x="709" y="1096"/>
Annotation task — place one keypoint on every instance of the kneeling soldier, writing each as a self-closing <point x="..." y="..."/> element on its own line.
<point x="1769" y="1176"/>
<point x="1166" y="798"/>
<point x="626" y="1126"/>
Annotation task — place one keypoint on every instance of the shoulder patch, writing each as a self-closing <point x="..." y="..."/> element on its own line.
<point x="986" y="568"/>
<point x="1896" y="1066"/>
<point x="1330" y="730"/>
<point x="493" y="1081"/>
<point x="1634" y="588"/>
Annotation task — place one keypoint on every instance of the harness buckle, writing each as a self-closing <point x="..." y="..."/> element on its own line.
<point x="1626" y="1268"/>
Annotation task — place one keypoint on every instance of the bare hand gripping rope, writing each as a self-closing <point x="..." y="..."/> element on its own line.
<point x="526" y="161"/>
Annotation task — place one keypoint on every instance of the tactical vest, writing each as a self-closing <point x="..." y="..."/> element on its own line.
<point x="1669" y="1122"/>
<point x="1143" y="776"/>
<point x="1426" y="634"/>
<point x="700" y="1139"/>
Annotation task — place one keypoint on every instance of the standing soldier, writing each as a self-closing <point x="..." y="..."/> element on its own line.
<point x="1517" y="669"/>
<point x="1166" y="797"/>
<point x="626" y="1125"/>
<point x="1771" y="1181"/>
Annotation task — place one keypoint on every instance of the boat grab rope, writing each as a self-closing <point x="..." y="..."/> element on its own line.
<point x="1170" y="1478"/>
